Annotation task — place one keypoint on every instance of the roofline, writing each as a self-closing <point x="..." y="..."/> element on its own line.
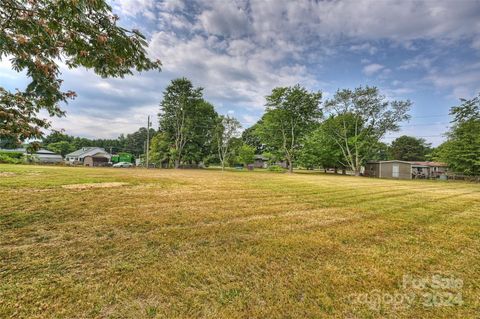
<point x="413" y="163"/>
<point x="391" y="161"/>
<point x="91" y="148"/>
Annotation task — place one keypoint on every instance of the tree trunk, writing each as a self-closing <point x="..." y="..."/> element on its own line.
<point x="357" y="171"/>
<point x="177" y="163"/>
<point x="344" y="171"/>
<point x="335" y="170"/>
<point x="290" y="166"/>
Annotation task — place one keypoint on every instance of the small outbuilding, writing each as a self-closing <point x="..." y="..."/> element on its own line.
<point x="89" y="156"/>
<point x="47" y="157"/>
<point x="260" y="161"/>
<point x="404" y="169"/>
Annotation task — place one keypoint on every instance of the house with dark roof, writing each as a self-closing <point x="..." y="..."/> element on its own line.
<point x="89" y="156"/>
<point x="405" y="169"/>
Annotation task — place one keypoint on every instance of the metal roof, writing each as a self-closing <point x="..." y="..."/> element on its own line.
<point x="24" y="150"/>
<point x="413" y="163"/>
<point x="88" y="151"/>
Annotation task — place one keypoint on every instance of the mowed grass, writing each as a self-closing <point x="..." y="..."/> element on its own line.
<point x="212" y="244"/>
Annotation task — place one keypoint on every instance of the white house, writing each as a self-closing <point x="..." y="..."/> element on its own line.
<point x="89" y="156"/>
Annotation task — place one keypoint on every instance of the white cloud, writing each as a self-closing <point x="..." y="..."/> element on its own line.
<point x="243" y="74"/>
<point x="145" y="8"/>
<point x="128" y="121"/>
<point x="172" y="20"/>
<point x="476" y="43"/>
<point x="172" y="5"/>
<point x="368" y="20"/>
<point x="365" y="47"/>
<point x="224" y="19"/>
<point x="417" y="62"/>
<point x="372" y="69"/>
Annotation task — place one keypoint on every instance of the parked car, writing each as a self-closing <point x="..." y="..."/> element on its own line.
<point x="123" y="164"/>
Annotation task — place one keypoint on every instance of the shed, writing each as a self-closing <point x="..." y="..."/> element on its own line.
<point x="404" y="169"/>
<point x="260" y="161"/>
<point x="46" y="156"/>
<point x="389" y="169"/>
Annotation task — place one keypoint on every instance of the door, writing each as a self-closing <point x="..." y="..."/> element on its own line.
<point x="395" y="170"/>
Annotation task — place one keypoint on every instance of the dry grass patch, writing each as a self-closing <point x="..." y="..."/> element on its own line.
<point x="94" y="185"/>
<point x="6" y="174"/>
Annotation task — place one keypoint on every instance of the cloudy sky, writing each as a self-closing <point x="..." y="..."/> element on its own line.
<point x="425" y="51"/>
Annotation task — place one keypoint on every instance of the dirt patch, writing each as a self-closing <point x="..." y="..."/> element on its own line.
<point x="7" y="174"/>
<point x="94" y="185"/>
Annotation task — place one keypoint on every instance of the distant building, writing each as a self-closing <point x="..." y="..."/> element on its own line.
<point x="260" y="161"/>
<point x="41" y="156"/>
<point x="405" y="169"/>
<point x="89" y="156"/>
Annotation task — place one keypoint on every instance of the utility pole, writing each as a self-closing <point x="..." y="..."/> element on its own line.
<point x="148" y="139"/>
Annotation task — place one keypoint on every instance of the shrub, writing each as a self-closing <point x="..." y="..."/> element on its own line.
<point x="276" y="168"/>
<point x="6" y="159"/>
<point x="17" y="155"/>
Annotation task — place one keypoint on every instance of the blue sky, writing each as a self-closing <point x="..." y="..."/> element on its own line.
<point x="425" y="51"/>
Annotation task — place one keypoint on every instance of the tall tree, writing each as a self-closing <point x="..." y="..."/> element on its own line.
<point x="188" y="122"/>
<point x="320" y="150"/>
<point x="227" y="129"/>
<point x="252" y="137"/>
<point x="55" y="137"/>
<point x="159" y="150"/>
<point x="175" y="118"/>
<point x="362" y="117"/>
<point x="201" y="133"/>
<point x="37" y="34"/>
<point x="291" y="112"/>
<point x="409" y="148"/>
<point x="462" y="149"/>
<point x="62" y="147"/>
<point x="135" y="142"/>
<point x="246" y="154"/>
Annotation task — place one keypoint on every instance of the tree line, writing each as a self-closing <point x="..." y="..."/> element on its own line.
<point x="297" y="128"/>
<point x="300" y="129"/>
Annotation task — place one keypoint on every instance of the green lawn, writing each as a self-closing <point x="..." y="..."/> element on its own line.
<point x="132" y="243"/>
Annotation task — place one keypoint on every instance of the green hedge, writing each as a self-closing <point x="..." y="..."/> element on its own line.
<point x="12" y="154"/>
<point x="11" y="157"/>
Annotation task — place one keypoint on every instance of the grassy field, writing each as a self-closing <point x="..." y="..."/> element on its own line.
<point x="132" y="243"/>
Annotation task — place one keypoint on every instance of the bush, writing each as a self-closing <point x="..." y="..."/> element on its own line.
<point x="276" y="168"/>
<point x="7" y="159"/>
<point x="17" y="155"/>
